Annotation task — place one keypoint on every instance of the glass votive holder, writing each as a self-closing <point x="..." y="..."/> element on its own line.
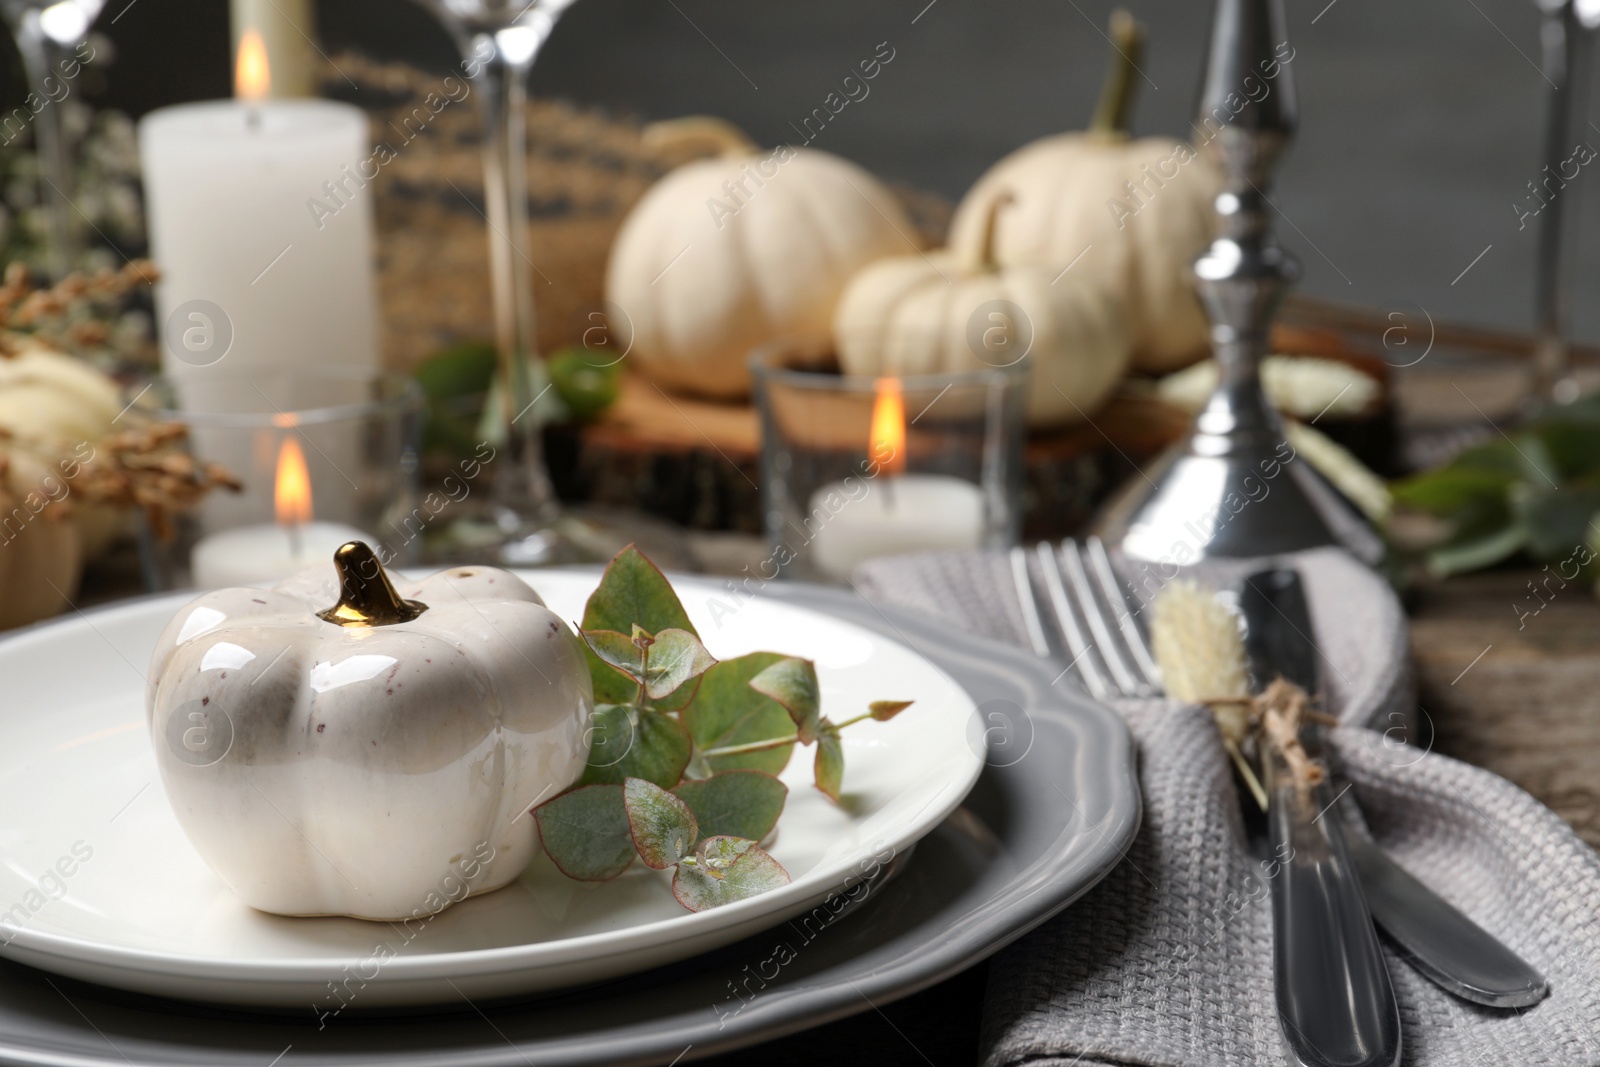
<point x="856" y="467"/>
<point x="323" y="456"/>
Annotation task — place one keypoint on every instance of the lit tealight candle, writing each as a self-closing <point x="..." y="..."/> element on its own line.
<point x="267" y="551"/>
<point x="900" y="512"/>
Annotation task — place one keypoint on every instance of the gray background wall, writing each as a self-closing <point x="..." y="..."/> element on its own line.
<point x="1420" y="120"/>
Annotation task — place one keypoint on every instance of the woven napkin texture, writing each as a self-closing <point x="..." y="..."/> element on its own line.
<point x="1168" y="960"/>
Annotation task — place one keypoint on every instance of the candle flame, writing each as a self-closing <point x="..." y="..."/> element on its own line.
<point x="291" y="491"/>
<point x="252" y="79"/>
<point x="887" y="445"/>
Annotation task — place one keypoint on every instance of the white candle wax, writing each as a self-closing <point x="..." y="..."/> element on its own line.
<point x="905" y="513"/>
<point x="250" y="554"/>
<point x="263" y="212"/>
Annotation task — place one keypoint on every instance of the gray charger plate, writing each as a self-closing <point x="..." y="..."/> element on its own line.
<point x="1054" y="811"/>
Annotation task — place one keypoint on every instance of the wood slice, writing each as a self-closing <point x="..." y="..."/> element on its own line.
<point x="697" y="462"/>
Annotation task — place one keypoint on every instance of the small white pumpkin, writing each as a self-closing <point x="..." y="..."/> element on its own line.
<point x="958" y="311"/>
<point x="52" y="399"/>
<point x="1139" y="211"/>
<point x="724" y="254"/>
<point x="41" y="558"/>
<point x="54" y="404"/>
<point x="333" y="747"/>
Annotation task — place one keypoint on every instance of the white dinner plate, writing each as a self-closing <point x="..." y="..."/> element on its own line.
<point x="98" y="882"/>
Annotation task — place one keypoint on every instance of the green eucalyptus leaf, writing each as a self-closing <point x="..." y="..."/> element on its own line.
<point x="663" y="827"/>
<point x="1557" y="521"/>
<point x="585" y="831"/>
<point x="1450" y="490"/>
<point x="723" y="870"/>
<point x="1572" y="440"/>
<point x="828" y="767"/>
<point x="1535" y="462"/>
<point x="792" y="682"/>
<point x="1477" y="551"/>
<point x="727" y="712"/>
<point x="735" y="803"/>
<point x="1497" y="455"/>
<point x="617" y="651"/>
<point x="630" y="742"/>
<point x="884" y="710"/>
<point x="675" y="657"/>
<point x="632" y="592"/>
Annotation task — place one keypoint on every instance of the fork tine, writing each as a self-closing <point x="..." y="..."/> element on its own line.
<point x="1138" y="646"/>
<point x="1095" y="615"/>
<point x="1077" y="641"/>
<point x="1029" y="603"/>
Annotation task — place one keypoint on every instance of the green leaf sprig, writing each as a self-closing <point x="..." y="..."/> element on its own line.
<point x="1535" y="490"/>
<point x="686" y="749"/>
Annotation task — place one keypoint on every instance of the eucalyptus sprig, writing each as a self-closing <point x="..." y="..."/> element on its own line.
<point x="1533" y="490"/>
<point x="685" y="748"/>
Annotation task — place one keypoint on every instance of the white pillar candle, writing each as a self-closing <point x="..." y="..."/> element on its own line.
<point x="904" y="513"/>
<point x="261" y="222"/>
<point x="247" y="555"/>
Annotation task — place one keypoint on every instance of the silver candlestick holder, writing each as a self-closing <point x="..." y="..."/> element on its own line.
<point x="1233" y="487"/>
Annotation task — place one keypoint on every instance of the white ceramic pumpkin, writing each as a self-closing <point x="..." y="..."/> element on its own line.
<point x="53" y="404"/>
<point x="333" y="746"/>
<point x="41" y="557"/>
<point x="1136" y="210"/>
<point x="724" y="254"/>
<point x="959" y="311"/>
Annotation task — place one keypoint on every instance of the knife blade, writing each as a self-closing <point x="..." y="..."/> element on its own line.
<point x="1448" y="948"/>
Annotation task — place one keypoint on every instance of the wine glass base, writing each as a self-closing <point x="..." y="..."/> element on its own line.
<point x="575" y="536"/>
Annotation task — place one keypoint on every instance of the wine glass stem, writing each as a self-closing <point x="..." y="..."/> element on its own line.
<point x="522" y="484"/>
<point x="39" y="54"/>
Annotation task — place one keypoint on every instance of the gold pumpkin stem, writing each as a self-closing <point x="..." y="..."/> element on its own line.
<point x="986" y="261"/>
<point x="1115" y="107"/>
<point x="366" y="596"/>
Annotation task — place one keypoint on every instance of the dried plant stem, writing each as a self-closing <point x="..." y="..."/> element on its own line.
<point x="1247" y="772"/>
<point x="1283" y="707"/>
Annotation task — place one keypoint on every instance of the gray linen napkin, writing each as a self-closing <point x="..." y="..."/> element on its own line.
<point x="1168" y="960"/>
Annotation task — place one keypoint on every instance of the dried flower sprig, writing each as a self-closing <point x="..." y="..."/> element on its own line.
<point x="149" y="468"/>
<point x="76" y="314"/>
<point x="1198" y="641"/>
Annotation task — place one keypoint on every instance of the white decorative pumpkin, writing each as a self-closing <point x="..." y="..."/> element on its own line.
<point x="41" y="558"/>
<point x="53" y="404"/>
<point x="333" y="746"/>
<point x="1137" y="211"/>
<point x="724" y="254"/>
<point x="957" y="311"/>
<point x="54" y="400"/>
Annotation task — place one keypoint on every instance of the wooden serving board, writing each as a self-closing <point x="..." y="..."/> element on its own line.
<point x="697" y="462"/>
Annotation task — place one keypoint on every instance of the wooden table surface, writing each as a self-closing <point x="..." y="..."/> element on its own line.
<point x="1511" y="682"/>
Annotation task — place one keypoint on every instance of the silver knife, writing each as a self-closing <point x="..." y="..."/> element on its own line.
<point x="1336" y="1005"/>
<point x="1448" y="948"/>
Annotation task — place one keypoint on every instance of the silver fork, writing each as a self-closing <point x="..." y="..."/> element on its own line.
<point x="1111" y="665"/>
<point x="1107" y="645"/>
